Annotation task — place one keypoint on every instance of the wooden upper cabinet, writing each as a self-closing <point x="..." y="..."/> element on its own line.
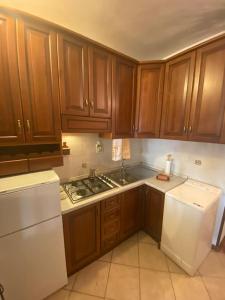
<point x="100" y="82"/>
<point x="73" y="75"/>
<point x="149" y="99"/>
<point x="11" y="120"/>
<point x="37" y="56"/>
<point x="177" y="97"/>
<point x="124" y="89"/>
<point x="208" y="103"/>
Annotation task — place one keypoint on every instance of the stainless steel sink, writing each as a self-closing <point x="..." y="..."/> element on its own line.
<point x="128" y="175"/>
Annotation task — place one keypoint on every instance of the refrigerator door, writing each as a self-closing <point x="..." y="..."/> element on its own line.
<point x="24" y="208"/>
<point x="32" y="261"/>
<point x="25" y="181"/>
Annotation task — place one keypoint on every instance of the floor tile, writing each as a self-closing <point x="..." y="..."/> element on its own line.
<point x="221" y="256"/>
<point x="79" y="296"/>
<point x="174" y="268"/>
<point x="126" y="253"/>
<point x="156" y="285"/>
<point x="152" y="258"/>
<point x="107" y="257"/>
<point x="92" y="280"/>
<point x="71" y="281"/>
<point x="60" y="295"/>
<point x="215" y="287"/>
<point x="123" y="283"/>
<point x="189" y="288"/>
<point x="145" y="238"/>
<point x="212" y="265"/>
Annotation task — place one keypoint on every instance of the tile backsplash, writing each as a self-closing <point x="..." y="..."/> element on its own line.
<point x="83" y="150"/>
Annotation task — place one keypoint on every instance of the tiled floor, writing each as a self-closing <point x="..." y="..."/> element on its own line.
<point x="137" y="270"/>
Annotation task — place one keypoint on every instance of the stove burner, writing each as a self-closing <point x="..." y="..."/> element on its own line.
<point x="83" y="188"/>
<point x="81" y="192"/>
<point x="76" y="183"/>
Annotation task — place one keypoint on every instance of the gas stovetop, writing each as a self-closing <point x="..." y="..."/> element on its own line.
<point x="78" y="190"/>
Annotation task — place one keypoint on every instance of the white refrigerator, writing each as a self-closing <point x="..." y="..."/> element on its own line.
<point x="32" y="255"/>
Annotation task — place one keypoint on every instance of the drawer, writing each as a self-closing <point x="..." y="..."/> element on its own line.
<point x="110" y="242"/>
<point x="110" y="216"/>
<point x="110" y="228"/>
<point x="111" y="203"/>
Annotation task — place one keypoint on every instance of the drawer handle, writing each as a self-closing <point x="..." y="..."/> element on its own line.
<point x="28" y="125"/>
<point x="19" y="126"/>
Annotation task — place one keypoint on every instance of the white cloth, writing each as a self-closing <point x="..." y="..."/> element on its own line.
<point x="117" y="149"/>
<point x="120" y="149"/>
<point x="126" y="149"/>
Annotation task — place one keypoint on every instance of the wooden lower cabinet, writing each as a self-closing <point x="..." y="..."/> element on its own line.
<point x="153" y="213"/>
<point x="81" y="236"/>
<point x="94" y="230"/>
<point x="131" y="208"/>
<point x="110" y="223"/>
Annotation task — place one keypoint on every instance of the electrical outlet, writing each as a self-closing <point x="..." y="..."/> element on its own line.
<point x="99" y="147"/>
<point x="84" y="165"/>
<point x="198" y="162"/>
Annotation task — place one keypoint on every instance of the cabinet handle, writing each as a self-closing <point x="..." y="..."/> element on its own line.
<point x="86" y="102"/>
<point x="190" y="129"/>
<point x="19" y="126"/>
<point x="28" y="125"/>
<point x="92" y="104"/>
<point x="185" y="129"/>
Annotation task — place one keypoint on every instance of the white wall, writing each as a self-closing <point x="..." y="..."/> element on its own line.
<point x="83" y="151"/>
<point x="211" y="171"/>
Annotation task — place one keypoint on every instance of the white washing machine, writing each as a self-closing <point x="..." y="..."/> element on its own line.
<point x="188" y="223"/>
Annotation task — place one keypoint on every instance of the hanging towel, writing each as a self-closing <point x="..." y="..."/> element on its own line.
<point x="126" y="149"/>
<point x="117" y="149"/>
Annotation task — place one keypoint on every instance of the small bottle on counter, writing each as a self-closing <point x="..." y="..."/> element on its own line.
<point x="168" y="165"/>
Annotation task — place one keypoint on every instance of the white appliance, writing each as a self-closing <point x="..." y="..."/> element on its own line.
<point x="32" y="256"/>
<point x="188" y="222"/>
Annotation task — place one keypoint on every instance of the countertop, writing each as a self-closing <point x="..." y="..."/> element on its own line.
<point x="163" y="186"/>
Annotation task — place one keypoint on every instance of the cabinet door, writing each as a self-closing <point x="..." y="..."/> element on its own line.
<point x="39" y="82"/>
<point x="208" y="103"/>
<point x="82" y="236"/>
<point x="149" y="100"/>
<point x="72" y="56"/>
<point x="124" y="79"/>
<point x="11" y="120"/>
<point x="131" y="207"/>
<point x="100" y="82"/>
<point x="177" y="97"/>
<point x="153" y="213"/>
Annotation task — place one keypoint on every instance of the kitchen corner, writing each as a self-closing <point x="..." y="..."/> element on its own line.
<point x="112" y="150"/>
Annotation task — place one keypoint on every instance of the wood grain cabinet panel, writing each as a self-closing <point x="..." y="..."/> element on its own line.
<point x="38" y="69"/>
<point x="11" y="119"/>
<point x="124" y="89"/>
<point x="131" y="209"/>
<point x="177" y="97"/>
<point x="82" y="236"/>
<point x="153" y="213"/>
<point x="100" y="82"/>
<point x="208" y="103"/>
<point x="149" y="100"/>
<point x="73" y="75"/>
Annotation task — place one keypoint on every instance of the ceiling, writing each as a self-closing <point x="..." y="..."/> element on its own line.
<point x="143" y="29"/>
